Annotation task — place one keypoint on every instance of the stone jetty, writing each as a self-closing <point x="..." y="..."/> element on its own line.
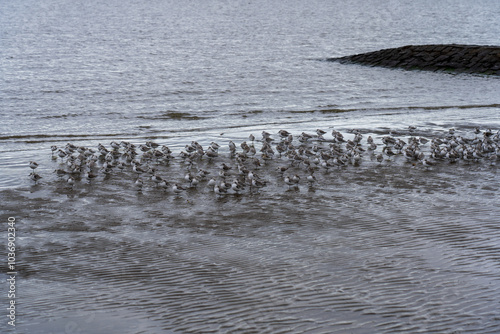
<point x="440" y="57"/>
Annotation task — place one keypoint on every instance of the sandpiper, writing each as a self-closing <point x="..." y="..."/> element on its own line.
<point x="428" y="163"/>
<point x="283" y="133"/>
<point x="177" y="188"/>
<point x="138" y="183"/>
<point x="90" y="176"/>
<point x="35" y="177"/>
<point x="218" y="190"/>
<point x="291" y="180"/>
<point x="311" y="178"/>
<point x="61" y="153"/>
<point x="211" y="153"/>
<point x="70" y="181"/>
<point x="164" y="184"/>
<point x="211" y="182"/>
<point x="33" y="165"/>
<point x="156" y="179"/>
<point x="232" y="147"/>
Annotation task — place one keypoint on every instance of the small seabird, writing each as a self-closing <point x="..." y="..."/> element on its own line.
<point x="244" y="146"/>
<point x="35" y="177"/>
<point x="33" y="165"/>
<point x="156" y="179"/>
<point x="291" y="181"/>
<point x="152" y="144"/>
<point x="195" y="181"/>
<point x="137" y="169"/>
<point x="202" y="173"/>
<point x="283" y="133"/>
<point x="252" y="150"/>
<point x="61" y="153"/>
<point x="219" y="190"/>
<point x="223" y="174"/>
<point x="190" y="148"/>
<point x="265" y="135"/>
<point x="90" y="176"/>
<point x="144" y="148"/>
<point x="311" y="178"/>
<point x="388" y="150"/>
<point x="214" y="146"/>
<point x="423" y="140"/>
<point x="60" y="172"/>
<point x="115" y="146"/>
<point x="70" y="181"/>
<point x="211" y="182"/>
<point x="225" y="167"/>
<point x="211" y="153"/>
<point x="232" y="147"/>
<point x="428" y="163"/>
<point x="282" y="169"/>
<point x="236" y="186"/>
<point x="339" y="137"/>
<point x="177" y="188"/>
<point x="388" y="140"/>
<point x="257" y="183"/>
<point x="164" y="184"/>
<point x="320" y="132"/>
<point x="138" y="183"/>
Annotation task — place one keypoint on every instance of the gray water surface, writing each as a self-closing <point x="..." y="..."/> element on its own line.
<point x="394" y="247"/>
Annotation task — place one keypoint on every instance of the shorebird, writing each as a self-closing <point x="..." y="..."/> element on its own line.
<point x="137" y="169"/>
<point x="219" y="191"/>
<point x="257" y="183"/>
<point x="33" y="165"/>
<point x="311" y="178"/>
<point x="177" y="188"/>
<point x="428" y="163"/>
<point x="156" y="179"/>
<point x="211" y="153"/>
<point x="211" y="182"/>
<point x="70" y="181"/>
<point x="35" y="177"/>
<point x="164" y="184"/>
<point x="282" y="169"/>
<point x="232" y="147"/>
<point x="138" y="183"/>
<point x="90" y="176"/>
<point x="236" y="186"/>
<point x="291" y="180"/>
<point x="283" y="133"/>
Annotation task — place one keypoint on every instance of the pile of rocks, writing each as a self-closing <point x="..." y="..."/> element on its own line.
<point x="441" y="57"/>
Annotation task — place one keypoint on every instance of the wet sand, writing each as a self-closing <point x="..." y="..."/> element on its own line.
<point x="385" y="248"/>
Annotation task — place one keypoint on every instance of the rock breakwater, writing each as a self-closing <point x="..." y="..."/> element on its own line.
<point x="440" y="57"/>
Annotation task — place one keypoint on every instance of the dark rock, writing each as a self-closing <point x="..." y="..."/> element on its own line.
<point x="444" y="57"/>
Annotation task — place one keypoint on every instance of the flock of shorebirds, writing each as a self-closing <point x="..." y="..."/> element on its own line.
<point x="238" y="168"/>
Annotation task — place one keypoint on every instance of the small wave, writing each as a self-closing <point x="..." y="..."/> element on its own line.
<point x="172" y="115"/>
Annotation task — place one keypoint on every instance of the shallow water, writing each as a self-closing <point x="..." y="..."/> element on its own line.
<point x="385" y="248"/>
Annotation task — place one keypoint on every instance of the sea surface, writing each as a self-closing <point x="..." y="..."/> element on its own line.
<point x="390" y="247"/>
